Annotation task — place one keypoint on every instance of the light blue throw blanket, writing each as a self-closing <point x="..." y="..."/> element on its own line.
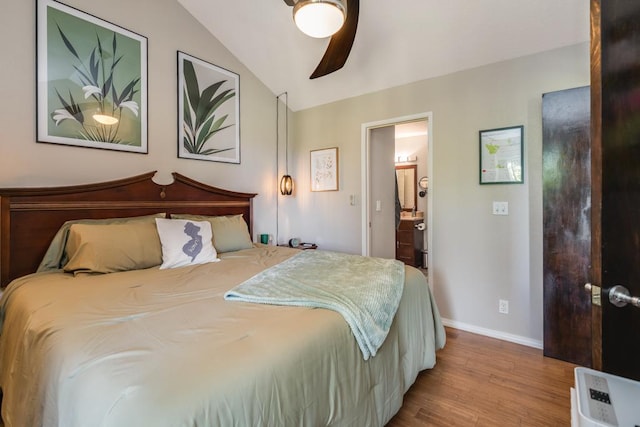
<point x="365" y="291"/>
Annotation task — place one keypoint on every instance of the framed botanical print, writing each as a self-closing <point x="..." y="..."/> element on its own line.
<point x="324" y="169"/>
<point x="208" y="111"/>
<point x="91" y="81"/>
<point x="501" y="160"/>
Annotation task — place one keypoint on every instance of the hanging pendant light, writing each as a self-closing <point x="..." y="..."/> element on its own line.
<point x="286" y="183"/>
<point x="319" y="18"/>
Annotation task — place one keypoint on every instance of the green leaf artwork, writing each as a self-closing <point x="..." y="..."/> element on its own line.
<point x="207" y="109"/>
<point x="91" y="81"/>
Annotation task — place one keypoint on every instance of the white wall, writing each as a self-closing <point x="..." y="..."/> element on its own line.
<point x="169" y="28"/>
<point x="477" y="258"/>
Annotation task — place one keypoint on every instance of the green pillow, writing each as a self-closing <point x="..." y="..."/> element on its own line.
<point x="230" y="233"/>
<point x="108" y="248"/>
<point x="56" y="256"/>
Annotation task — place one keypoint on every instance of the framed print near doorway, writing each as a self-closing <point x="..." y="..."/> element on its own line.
<point x="501" y="156"/>
<point x="324" y="169"/>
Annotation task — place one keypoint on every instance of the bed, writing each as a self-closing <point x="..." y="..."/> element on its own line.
<point x="162" y="347"/>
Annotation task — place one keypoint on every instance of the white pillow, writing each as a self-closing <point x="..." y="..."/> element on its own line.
<point x="185" y="242"/>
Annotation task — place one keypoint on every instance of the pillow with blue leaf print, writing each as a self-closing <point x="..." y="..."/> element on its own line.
<point x="185" y="242"/>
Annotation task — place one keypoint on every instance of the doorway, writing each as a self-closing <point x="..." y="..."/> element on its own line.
<point x="378" y="195"/>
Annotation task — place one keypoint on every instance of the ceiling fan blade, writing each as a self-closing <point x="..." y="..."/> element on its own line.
<point x="290" y="2"/>
<point x="340" y="44"/>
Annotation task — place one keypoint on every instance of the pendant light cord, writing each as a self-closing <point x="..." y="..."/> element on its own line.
<point x="286" y="128"/>
<point x="278" y="154"/>
<point x="277" y="171"/>
<point x="286" y="132"/>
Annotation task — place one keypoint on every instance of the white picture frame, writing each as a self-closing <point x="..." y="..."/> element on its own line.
<point x="208" y="111"/>
<point x="91" y="81"/>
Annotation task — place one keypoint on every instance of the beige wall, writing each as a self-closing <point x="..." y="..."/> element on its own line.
<point x="477" y="258"/>
<point x="168" y="28"/>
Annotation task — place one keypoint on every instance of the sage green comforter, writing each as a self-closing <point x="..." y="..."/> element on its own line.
<point x="366" y="291"/>
<point x="163" y="348"/>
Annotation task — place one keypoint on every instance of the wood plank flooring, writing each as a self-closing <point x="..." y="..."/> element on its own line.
<point x="481" y="381"/>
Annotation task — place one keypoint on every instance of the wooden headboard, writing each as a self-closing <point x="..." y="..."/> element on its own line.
<point x="30" y="217"/>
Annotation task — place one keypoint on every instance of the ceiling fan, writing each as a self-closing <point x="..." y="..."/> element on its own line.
<point x="343" y="15"/>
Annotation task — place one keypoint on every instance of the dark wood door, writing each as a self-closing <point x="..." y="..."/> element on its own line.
<point x="566" y="175"/>
<point x="616" y="186"/>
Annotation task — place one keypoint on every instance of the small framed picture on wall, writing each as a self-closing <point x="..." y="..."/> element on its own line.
<point x="501" y="155"/>
<point x="324" y="169"/>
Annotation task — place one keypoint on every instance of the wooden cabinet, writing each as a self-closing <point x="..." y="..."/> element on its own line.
<point x="410" y="242"/>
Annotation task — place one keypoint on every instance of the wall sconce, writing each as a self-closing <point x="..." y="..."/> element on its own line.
<point x="424" y="185"/>
<point x="286" y="183"/>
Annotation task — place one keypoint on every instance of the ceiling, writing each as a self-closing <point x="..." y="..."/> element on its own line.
<point x="397" y="42"/>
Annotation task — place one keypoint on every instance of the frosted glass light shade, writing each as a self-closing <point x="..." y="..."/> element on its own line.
<point x="319" y="18"/>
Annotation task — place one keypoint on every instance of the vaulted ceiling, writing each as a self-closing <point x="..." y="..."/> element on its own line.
<point x="398" y="41"/>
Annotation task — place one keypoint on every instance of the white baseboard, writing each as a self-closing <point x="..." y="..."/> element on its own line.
<point x="518" y="339"/>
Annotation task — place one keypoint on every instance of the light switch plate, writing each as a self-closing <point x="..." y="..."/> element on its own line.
<point x="501" y="208"/>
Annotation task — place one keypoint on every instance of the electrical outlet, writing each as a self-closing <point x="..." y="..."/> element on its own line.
<point x="501" y="208"/>
<point x="503" y="306"/>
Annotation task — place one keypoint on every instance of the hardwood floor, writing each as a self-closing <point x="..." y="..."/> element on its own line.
<point x="481" y="381"/>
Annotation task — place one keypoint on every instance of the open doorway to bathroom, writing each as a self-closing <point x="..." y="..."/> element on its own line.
<point x="396" y="220"/>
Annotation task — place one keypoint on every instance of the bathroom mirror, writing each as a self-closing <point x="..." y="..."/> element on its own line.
<point x="406" y="179"/>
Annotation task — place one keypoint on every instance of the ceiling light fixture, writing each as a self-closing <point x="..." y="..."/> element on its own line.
<point x="319" y="18"/>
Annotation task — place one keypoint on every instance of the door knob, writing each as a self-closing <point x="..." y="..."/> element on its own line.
<point x="620" y="296"/>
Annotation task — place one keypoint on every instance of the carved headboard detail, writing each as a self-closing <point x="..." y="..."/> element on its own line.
<point x="30" y="217"/>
